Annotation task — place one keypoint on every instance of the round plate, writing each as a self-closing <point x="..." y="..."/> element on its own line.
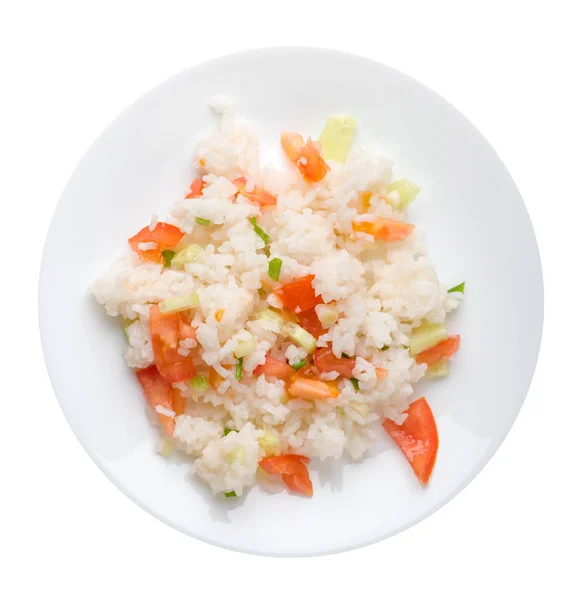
<point x="477" y="229"/>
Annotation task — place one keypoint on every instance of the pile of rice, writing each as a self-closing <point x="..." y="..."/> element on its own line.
<point x="380" y="290"/>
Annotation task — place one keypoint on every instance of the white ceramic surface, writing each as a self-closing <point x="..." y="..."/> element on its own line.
<point x="477" y="228"/>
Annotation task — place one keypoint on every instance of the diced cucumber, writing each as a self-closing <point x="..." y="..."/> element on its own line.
<point x="165" y="448"/>
<point x="439" y="369"/>
<point x="179" y="303"/>
<point x="187" y="255"/>
<point x="360" y="407"/>
<point x="426" y="336"/>
<point x="237" y="455"/>
<point x="245" y="346"/>
<point x="407" y="190"/>
<point x="327" y="316"/>
<point x="126" y="324"/>
<point x="271" y="315"/>
<point x="337" y="137"/>
<point x="300" y="336"/>
<point x="199" y="383"/>
<point x="270" y="444"/>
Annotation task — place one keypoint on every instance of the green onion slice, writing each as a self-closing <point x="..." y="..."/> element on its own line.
<point x="457" y="288"/>
<point x="167" y="256"/>
<point x="298" y="365"/>
<point x="239" y="369"/>
<point x="259" y="231"/>
<point x="275" y="268"/>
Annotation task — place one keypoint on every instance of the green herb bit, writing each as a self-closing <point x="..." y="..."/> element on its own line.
<point x="355" y="383"/>
<point x="230" y="495"/>
<point x="298" y="365"/>
<point x="275" y="268"/>
<point x="239" y="369"/>
<point x="457" y="288"/>
<point x="259" y="231"/>
<point x="199" y="383"/>
<point x="167" y="256"/>
<point x="202" y="222"/>
<point x="384" y="348"/>
<point x="227" y="431"/>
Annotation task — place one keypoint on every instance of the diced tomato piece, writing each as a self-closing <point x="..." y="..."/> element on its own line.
<point x="325" y="360"/>
<point x="164" y="235"/>
<point x="305" y="156"/>
<point x="158" y="393"/>
<point x="257" y="195"/>
<point x="417" y="438"/>
<point x="442" y="350"/>
<point x="273" y="368"/>
<point x="299" y="295"/>
<point x="239" y="183"/>
<point x="293" y="470"/>
<point x="215" y="378"/>
<point x="165" y="336"/>
<point x="292" y="144"/>
<point x="384" y="229"/>
<point x="381" y="373"/>
<point x="177" y="401"/>
<point x="311" y="164"/>
<point x="310" y="371"/>
<point x="309" y="320"/>
<point x="182" y="370"/>
<point x="196" y="188"/>
<point x="261" y="197"/>
<point x="185" y="330"/>
<point x="311" y="389"/>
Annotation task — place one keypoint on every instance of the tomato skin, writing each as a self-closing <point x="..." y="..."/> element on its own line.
<point x="292" y="143"/>
<point x="257" y="195"/>
<point x="299" y="295"/>
<point x="196" y="188"/>
<point x="325" y="360"/>
<point x="158" y="393"/>
<point x="164" y="235"/>
<point x="309" y="320"/>
<point x="274" y="368"/>
<point x="178" y="402"/>
<point x="417" y="438"/>
<point x="384" y="229"/>
<point x="442" y="350"/>
<point x="165" y="337"/>
<point x="305" y="156"/>
<point x="293" y="470"/>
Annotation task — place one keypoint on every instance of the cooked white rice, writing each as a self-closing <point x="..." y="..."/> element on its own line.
<point x="380" y="297"/>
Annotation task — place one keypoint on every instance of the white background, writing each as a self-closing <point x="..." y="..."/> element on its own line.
<point x="68" y="68"/>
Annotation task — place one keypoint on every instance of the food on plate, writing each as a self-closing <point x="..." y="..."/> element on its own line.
<point x="278" y="316"/>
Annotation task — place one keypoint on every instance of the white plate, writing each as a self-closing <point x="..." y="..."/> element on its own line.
<point x="477" y="228"/>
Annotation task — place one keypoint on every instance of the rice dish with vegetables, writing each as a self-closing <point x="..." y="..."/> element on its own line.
<point x="277" y="317"/>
